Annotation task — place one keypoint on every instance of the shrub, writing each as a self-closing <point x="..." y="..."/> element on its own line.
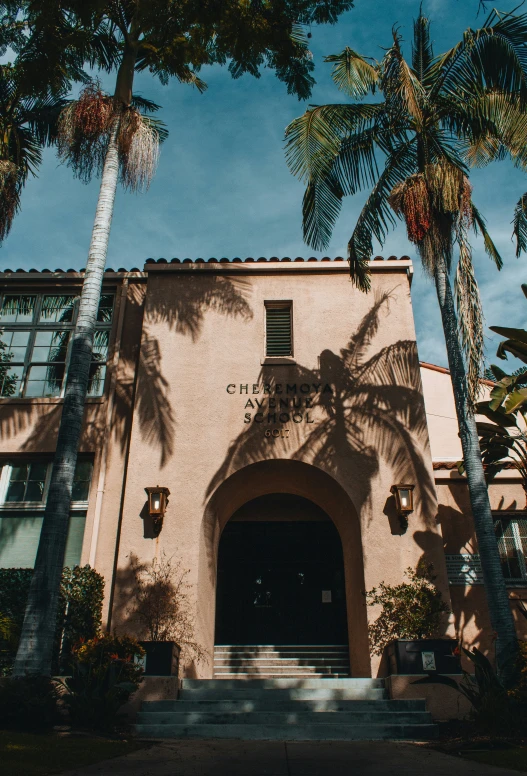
<point x="160" y="605"/>
<point x="81" y="599"/>
<point x="28" y="703"/>
<point x="80" y="607"/>
<point x="104" y="676"/>
<point x="495" y="710"/>
<point x="411" y="610"/>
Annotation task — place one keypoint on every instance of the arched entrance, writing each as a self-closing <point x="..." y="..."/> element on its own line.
<point x="280" y="575"/>
<point x="321" y="490"/>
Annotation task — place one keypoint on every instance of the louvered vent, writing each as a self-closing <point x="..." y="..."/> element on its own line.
<point x="279" y="340"/>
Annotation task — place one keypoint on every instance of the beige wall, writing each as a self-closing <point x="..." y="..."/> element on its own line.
<point x="206" y="326"/>
<point x="186" y="337"/>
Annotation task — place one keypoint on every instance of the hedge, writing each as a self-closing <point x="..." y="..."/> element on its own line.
<point x="80" y="610"/>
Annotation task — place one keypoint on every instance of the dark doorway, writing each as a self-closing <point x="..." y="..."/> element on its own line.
<point x="281" y="581"/>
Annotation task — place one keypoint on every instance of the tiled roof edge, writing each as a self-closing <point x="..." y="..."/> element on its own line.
<point x="260" y="259"/>
<point x="212" y="260"/>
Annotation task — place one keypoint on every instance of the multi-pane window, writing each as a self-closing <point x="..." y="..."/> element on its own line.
<point x="278" y="329"/>
<point x="23" y="493"/>
<point x="511" y="532"/>
<point x="35" y="343"/>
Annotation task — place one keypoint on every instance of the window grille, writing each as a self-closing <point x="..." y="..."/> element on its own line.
<point x="511" y="532"/>
<point x="23" y="493"/>
<point x="278" y="329"/>
<point x="35" y="344"/>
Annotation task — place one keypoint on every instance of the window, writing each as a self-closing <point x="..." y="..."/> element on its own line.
<point x="35" y="343"/>
<point x="511" y="532"/>
<point x="278" y="329"/>
<point x="23" y="493"/>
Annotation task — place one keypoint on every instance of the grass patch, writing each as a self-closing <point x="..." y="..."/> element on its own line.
<point x="514" y="757"/>
<point x="34" y="754"/>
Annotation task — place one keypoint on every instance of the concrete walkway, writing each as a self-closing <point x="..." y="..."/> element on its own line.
<point x="273" y="758"/>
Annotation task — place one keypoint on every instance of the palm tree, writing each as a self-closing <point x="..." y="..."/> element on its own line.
<point x="28" y="123"/>
<point x="436" y="116"/>
<point x="111" y="136"/>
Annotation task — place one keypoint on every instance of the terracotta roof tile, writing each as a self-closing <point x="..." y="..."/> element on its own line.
<point x="211" y="260"/>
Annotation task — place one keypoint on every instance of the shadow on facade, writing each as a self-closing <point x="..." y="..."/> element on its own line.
<point x="375" y="411"/>
<point x="141" y="390"/>
<point x="185" y="314"/>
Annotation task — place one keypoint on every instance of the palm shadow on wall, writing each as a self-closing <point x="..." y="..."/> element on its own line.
<point x="150" y="394"/>
<point x="185" y="314"/>
<point x="375" y="411"/>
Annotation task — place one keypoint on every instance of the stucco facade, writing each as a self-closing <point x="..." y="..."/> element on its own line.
<point x="191" y="402"/>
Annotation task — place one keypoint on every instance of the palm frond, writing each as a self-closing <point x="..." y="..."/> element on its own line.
<point x="353" y="74"/>
<point x="519" y="231"/>
<point x="376" y="216"/>
<point x="315" y="139"/>
<point x="320" y="210"/>
<point x="493" y="57"/>
<point x="399" y="82"/>
<point x="144" y="105"/>
<point x="480" y="227"/>
<point x="422" y="50"/>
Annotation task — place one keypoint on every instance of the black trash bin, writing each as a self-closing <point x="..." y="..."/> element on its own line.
<point x="424" y="656"/>
<point x="161" y="658"/>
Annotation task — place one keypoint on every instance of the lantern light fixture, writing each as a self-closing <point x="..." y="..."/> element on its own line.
<point x="404" y="501"/>
<point x="157" y="502"/>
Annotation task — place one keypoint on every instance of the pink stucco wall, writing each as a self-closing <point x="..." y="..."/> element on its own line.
<point x="188" y="357"/>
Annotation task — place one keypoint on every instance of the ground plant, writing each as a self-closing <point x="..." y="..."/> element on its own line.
<point x="80" y="608"/>
<point x="160" y="605"/>
<point x="28" y="703"/>
<point x="105" y="672"/>
<point x="496" y="709"/>
<point x="410" y="610"/>
<point x="408" y="136"/>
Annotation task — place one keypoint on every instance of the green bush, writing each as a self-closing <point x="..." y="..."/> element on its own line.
<point x="80" y="607"/>
<point x="411" y="610"/>
<point x="495" y="709"/>
<point x="28" y="703"/>
<point x="104" y="676"/>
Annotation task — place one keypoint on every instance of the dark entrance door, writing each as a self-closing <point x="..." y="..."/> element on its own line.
<point x="280" y="583"/>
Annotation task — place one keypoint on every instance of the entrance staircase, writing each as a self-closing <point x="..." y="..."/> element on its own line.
<point x="285" y="694"/>
<point x="271" y="662"/>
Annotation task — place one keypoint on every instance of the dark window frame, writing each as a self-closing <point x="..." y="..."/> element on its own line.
<point x="519" y="556"/>
<point x="37" y="325"/>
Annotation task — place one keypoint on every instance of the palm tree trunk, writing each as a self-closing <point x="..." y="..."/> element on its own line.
<point x="35" y="651"/>
<point x="497" y="597"/>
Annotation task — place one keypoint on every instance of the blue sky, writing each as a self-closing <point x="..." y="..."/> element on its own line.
<point x="223" y="189"/>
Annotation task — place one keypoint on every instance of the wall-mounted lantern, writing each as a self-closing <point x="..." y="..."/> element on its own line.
<point x="157" y="503"/>
<point x="404" y="501"/>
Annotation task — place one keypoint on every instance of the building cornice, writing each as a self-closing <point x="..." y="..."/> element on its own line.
<point x="275" y="265"/>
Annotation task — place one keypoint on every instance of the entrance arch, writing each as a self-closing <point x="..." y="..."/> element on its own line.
<point x="294" y="478"/>
<point x="280" y="576"/>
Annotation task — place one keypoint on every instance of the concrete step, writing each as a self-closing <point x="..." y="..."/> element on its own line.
<point x="283" y="647"/>
<point x="271" y="673"/>
<point x="283" y="717"/>
<point x="345" y="683"/>
<point x="277" y="655"/>
<point x="279" y="670"/>
<point x="315" y="693"/>
<point x="277" y="660"/>
<point x="309" y="732"/>
<point x="270" y="703"/>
